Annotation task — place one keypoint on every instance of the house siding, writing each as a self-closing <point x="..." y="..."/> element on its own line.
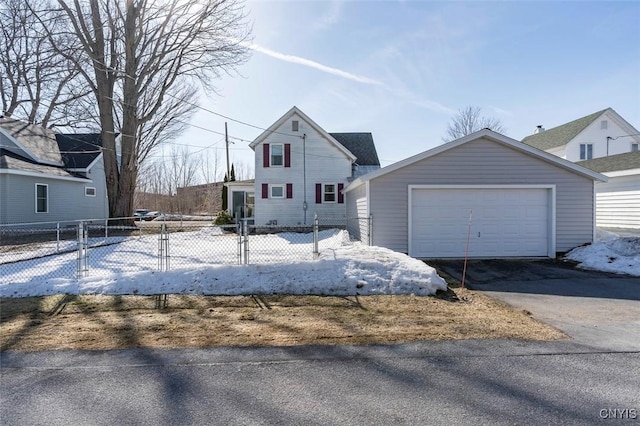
<point x="481" y="162"/>
<point x="325" y="163"/>
<point x="356" y="202"/>
<point x="618" y="202"/>
<point x="66" y="200"/>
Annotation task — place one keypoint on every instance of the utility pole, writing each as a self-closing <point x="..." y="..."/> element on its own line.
<point x="226" y="139"/>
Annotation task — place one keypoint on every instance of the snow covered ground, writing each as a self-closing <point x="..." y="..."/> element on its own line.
<point x="202" y="262"/>
<point x="610" y="253"/>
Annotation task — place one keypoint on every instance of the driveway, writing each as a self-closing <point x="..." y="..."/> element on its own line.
<point x="598" y="309"/>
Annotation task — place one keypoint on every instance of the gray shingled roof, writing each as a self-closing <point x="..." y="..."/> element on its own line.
<point x="12" y="161"/>
<point x="361" y="145"/>
<point x="561" y="135"/>
<point x="626" y="161"/>
<point x="79" y="150"/>
<point x="37" y="140"/>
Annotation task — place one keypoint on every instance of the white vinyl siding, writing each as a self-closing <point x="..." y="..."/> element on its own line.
<point x="618" y="202"/>
<point x="481" y="162"/>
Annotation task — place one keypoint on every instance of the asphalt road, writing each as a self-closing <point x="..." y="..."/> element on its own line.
<point x="594" y="308"/>
<point x="437" y="383"/>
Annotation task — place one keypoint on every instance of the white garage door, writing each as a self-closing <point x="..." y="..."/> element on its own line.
<point x="505" y="222"/>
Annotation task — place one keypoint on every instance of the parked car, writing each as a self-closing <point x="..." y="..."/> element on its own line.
<point x="139" y="214"/>
<point x="153" y="215"/>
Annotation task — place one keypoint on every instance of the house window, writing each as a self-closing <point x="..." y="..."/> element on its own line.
<point x="277" y="191"/>
<point x="42" y="198"/>
<point x="295" y="125"/>
<point x="277" y="154"/>
<point x="89" y="191"/>
<point x="634" y="147"/>
<point x="329" y="193"/>
<point x="586" y="151"/>
<point x="603" y="124"/>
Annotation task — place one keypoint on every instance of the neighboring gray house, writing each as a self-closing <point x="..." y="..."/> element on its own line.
<point x="48" y="177"/>
<point x="618" y="200"/>
<point x="507" y="199"/>
<point x="301" y="170"/>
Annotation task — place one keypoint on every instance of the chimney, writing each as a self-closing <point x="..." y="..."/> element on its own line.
<point x="539" y="129"/>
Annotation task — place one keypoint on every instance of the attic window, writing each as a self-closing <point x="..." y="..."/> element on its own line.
<point x="294" y="125"/>
<point x="603" y="125"/>
<point x="586" y="151"/>
<point x="634" y="147"/>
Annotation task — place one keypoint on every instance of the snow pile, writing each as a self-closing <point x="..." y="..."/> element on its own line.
<point x="342" y="268"/>
<point x="610" y="253"/>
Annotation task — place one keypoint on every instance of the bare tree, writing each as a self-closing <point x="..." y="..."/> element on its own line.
<point x="143" y="60"/>
<point x="37" y="85"/>
<point x="468" y="120"/>
<point x="244" y="170"/>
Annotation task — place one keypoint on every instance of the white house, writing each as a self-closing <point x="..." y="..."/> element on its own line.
<point x="47" y="177"/>
<point x="604" y="142"/>
<point x="301" y="170"/>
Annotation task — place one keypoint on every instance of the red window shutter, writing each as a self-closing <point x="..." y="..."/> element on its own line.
<point x="265" y="156"/>
<point x="289" y="190"/>
<point x="318" y="193"/>
<point x="340" y="194"/>
<point x="287" y="155"/>
<point x="265" y="190"/>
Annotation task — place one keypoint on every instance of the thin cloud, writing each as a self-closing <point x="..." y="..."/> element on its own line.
<point x="331" y="17"/>
<point x="313" y="64"/>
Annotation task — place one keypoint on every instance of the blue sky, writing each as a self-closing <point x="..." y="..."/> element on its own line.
<point x="402" y="69"/>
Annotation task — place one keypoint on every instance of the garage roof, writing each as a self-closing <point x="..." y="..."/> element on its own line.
<point x="486" y="134"/>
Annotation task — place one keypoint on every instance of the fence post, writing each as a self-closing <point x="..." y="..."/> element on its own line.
<point x="239" y="231"/>
<point x="315" y="236"/>
<point x="369" y="230"/>
<point x="163" y="248"/>
<point x="82" y="250"/>
<point x="106" y="229"/>
<point x="245" y="232"/>
<point x="57" y="237"/>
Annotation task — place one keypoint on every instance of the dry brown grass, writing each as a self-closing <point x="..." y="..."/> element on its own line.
<point x="109" y="322"/>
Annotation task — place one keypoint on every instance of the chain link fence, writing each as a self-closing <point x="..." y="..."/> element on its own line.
<point x="62" y="250"/>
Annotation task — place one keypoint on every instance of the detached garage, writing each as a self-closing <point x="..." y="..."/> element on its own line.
<point x="485" y="195"/>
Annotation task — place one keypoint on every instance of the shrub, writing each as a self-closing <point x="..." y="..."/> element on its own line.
<point x="223" y="218"/>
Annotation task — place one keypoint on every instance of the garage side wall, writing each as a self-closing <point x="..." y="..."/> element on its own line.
<point x="356" y="201"/>
<point x="481" y="162"/>
<point x="618" y="202"/>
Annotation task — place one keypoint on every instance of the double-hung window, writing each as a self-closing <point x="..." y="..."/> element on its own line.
<point x="277" y="154"/>
<point x="42" y="198"/>
<point x="634" y="147"/>
<point x="586" y="151"/>
<point x="329" y="193"/>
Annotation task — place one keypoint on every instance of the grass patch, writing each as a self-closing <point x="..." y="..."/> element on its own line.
<point x="112" y="322"/>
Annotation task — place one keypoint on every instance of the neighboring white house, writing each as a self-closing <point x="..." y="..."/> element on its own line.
<point x="485" y="195"/>
<point x="607" y="143"/>
<point x="618" y="200"/>
<point x="47" y="177"/>
<point x="301" y="170"/>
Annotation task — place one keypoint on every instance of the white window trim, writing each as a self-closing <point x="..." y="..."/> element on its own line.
<point x="324" y="193"/>
<point x="87" y="188"/>
<point x="271" y="154"/>
<point x="271" y="187"/>
<point x="46" y="199"/>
